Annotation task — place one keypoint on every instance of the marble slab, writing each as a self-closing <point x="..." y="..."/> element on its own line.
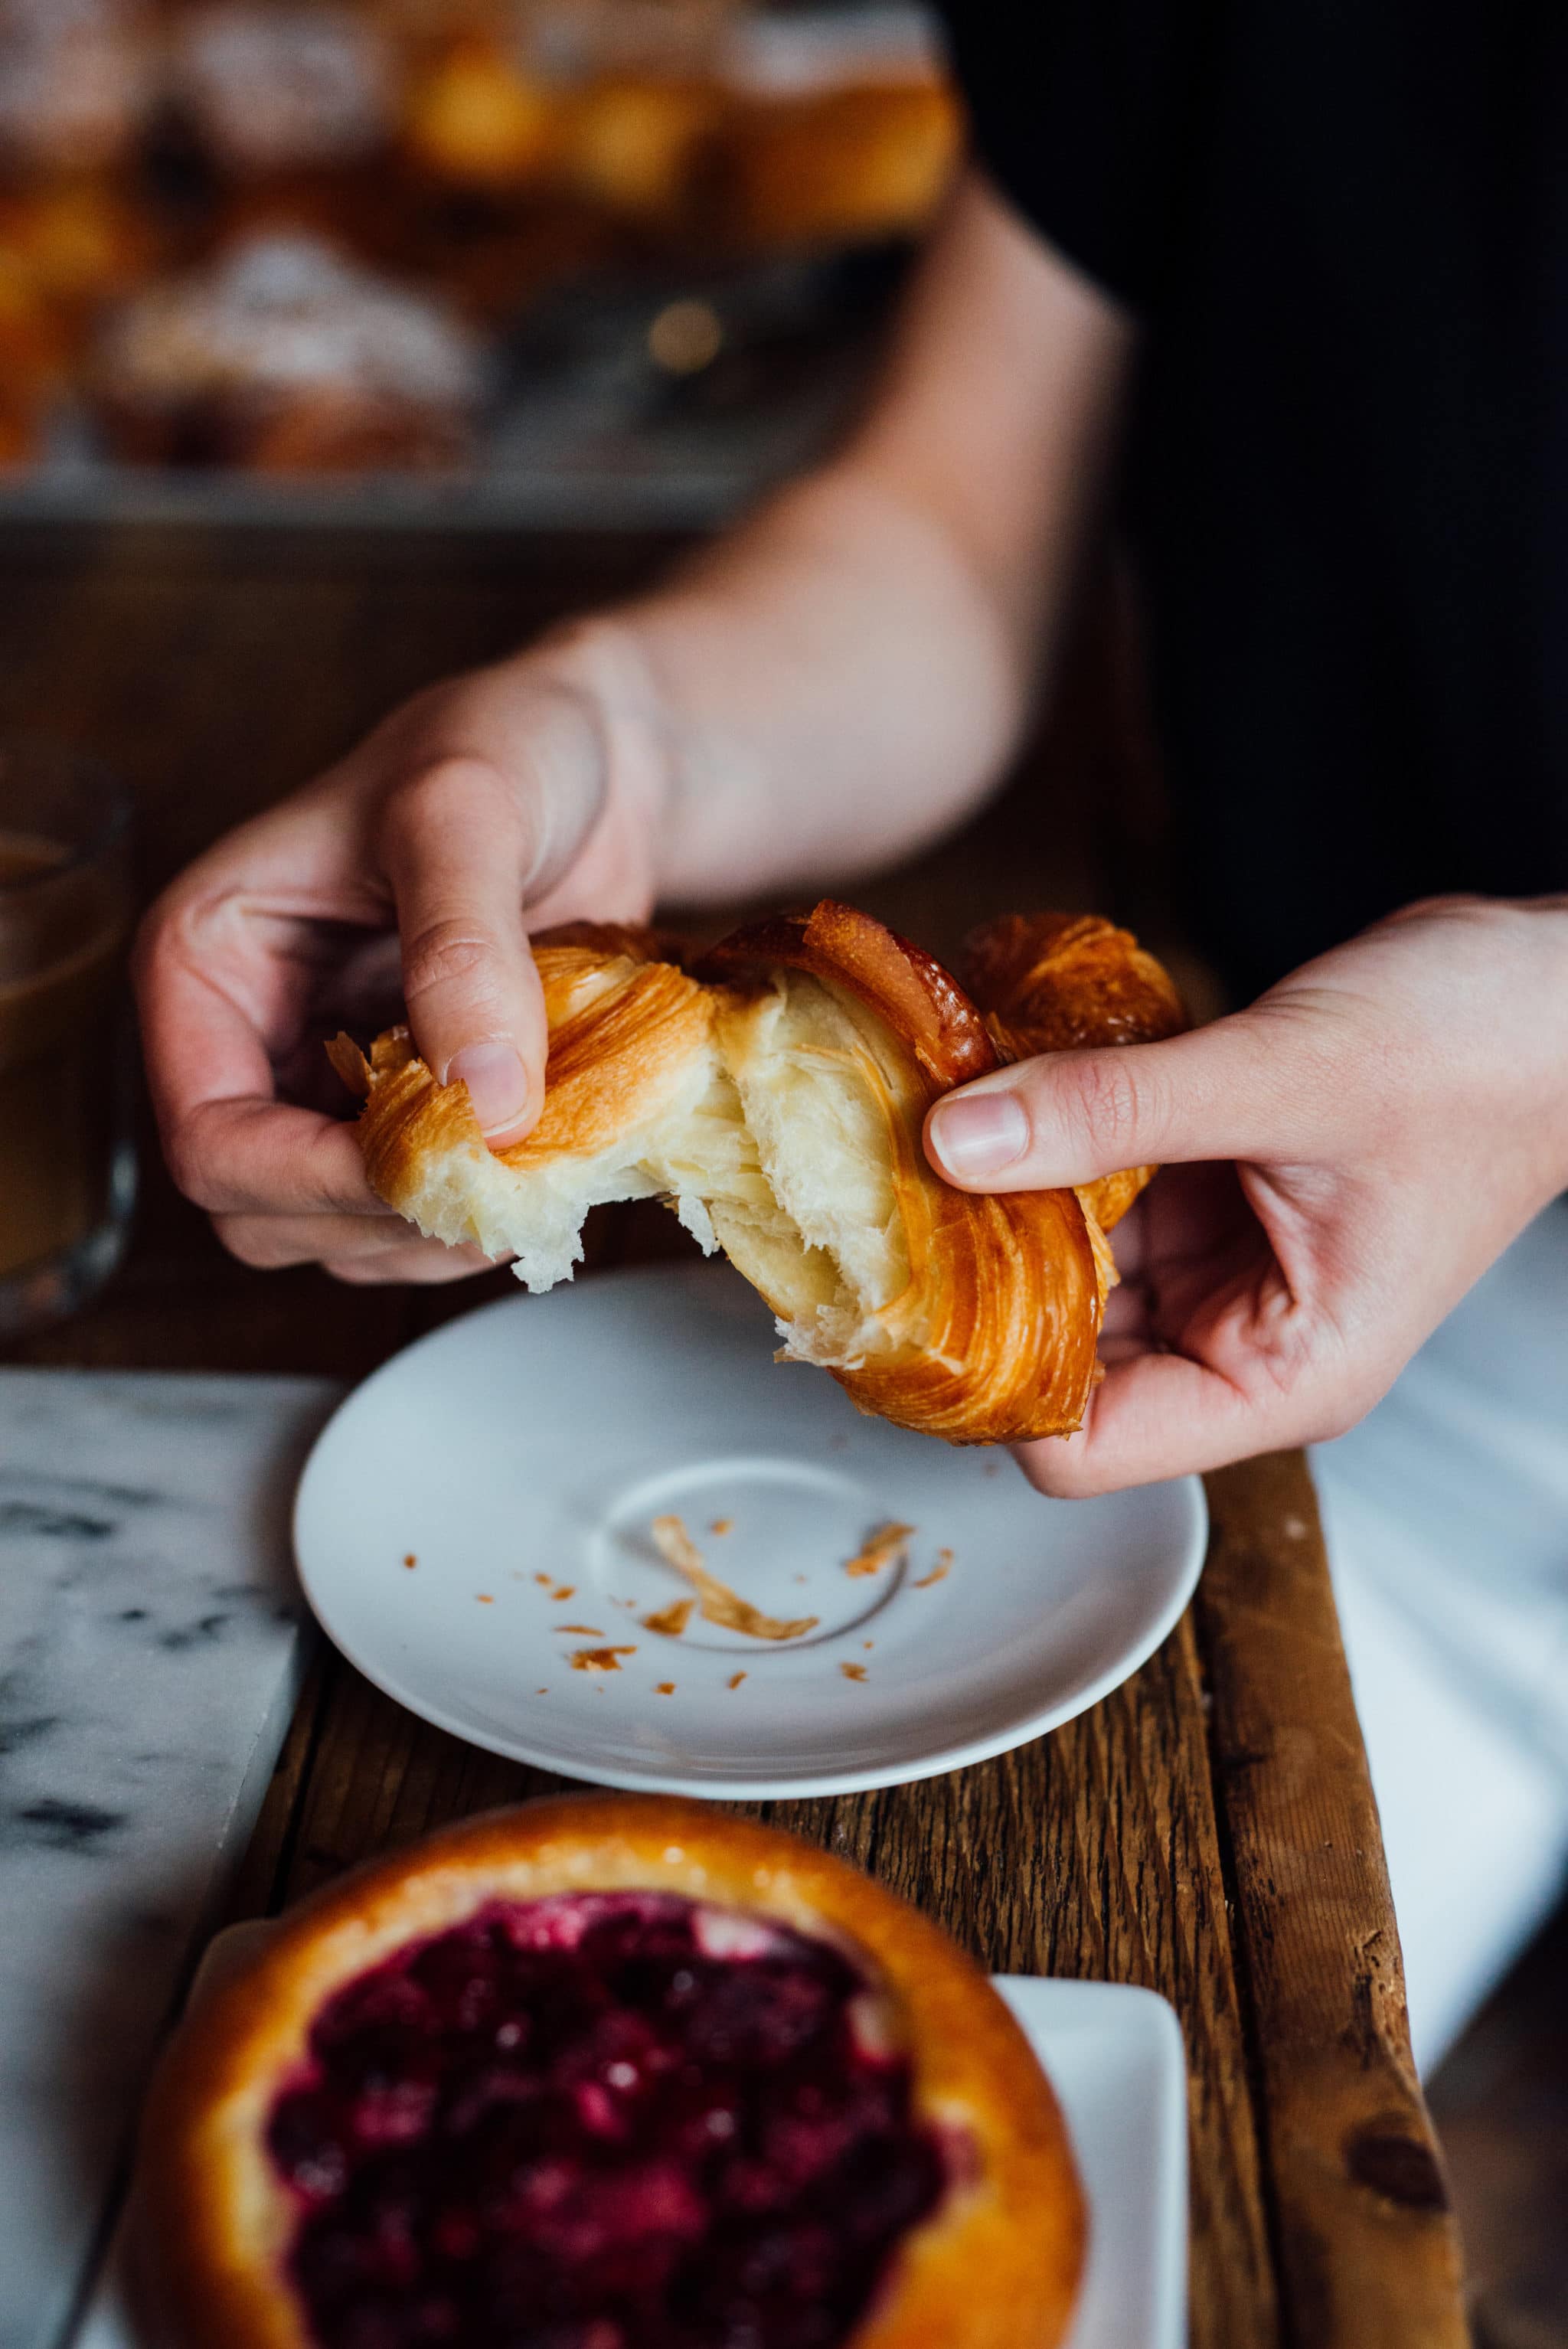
<point x="150" y="1645"/>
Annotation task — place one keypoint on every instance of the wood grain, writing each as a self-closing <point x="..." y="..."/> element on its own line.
<point x="1368" y="2250"/>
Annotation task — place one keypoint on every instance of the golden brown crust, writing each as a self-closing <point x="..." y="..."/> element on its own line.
<point x="994" y="1340"/>
<point x="997" y="2267"/>
<point x="900" y="982"/>
<point x="1061" y="982"/>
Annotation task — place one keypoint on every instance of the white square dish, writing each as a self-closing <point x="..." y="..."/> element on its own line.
<point x="1114" y="2056"/>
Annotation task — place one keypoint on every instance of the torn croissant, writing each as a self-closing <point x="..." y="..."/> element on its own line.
<point x="777" y="1101"/>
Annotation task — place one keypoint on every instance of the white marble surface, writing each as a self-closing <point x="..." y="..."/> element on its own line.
<point x="150" y="1648"/>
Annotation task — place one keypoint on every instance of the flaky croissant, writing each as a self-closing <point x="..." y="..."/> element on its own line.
<point x="774" y="1095"/>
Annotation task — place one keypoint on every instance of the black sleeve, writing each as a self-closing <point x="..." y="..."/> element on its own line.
<point x="1080" y="114"/>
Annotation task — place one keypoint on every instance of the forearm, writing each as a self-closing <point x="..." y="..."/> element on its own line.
<point x="841" y="680"/>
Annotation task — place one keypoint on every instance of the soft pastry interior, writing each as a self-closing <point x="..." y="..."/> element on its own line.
<point x="772" y="1125"/>
<point x="778" y="1109"/>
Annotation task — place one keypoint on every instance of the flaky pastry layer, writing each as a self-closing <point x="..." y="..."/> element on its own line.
<point x="776" y="1101"/>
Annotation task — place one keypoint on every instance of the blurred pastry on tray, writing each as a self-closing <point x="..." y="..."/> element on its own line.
<point x="75" y="79"/>
<point x="856" y="165"/>
<point x="284" y="356"/>
<point x="271" y="89"/>
<point x="473" y="116"/>
<point x="78" y="245"/>
<point x="637" y="147"/>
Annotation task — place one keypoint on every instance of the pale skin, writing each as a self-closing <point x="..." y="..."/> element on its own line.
<point x="836" y="683"/>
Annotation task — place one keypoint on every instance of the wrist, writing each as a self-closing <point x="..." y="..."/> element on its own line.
<point x="605" y="761"/>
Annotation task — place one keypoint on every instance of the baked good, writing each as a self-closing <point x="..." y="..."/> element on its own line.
<point x="777" y="1100"/>
<point x="285" y="356"/>
<point x="76" y="79"/>
<point x="606" y="2073"/>
<point x="474" y="116"/>
<point x="635" y="145"/>
<point x="854" y="164"/>
<point x="280" y="86"/>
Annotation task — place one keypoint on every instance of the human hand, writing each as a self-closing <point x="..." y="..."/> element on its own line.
<point x="404" y="875"/>
<point x="1341" y="1161"/>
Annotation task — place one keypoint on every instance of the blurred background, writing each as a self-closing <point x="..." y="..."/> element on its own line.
<point x="485" y="259"/>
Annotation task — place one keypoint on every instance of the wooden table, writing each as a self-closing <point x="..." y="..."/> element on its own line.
<point x="1208" y="1831"/>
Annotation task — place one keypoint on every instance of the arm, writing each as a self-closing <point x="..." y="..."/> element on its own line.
<point x="831" y="685"/>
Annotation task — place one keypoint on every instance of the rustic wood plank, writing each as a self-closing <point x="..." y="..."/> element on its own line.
<point x="1369" y="2253"/>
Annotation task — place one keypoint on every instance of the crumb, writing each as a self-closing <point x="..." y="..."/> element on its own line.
<point x="868" y="1643"/>
<point x="735" y="1680"/>
<point x="939" y="1572"/>
<point x="881" y="1548"/>
<point x="542" y="1691"/>
<point x="563" y="1592"/>
<point x="992" y="1468"/>
<point x="546" y="1579"/>
<point x="722" y="1525"/>
<point x="410" y="1561"/>
<point x="716" y="1603"/>
<point x="802" y="1577"/>
<point x="485" y="1598"/>
<point x="600" y="1659"/>
<point x="584" y="1630"/>
<point x="670" y="1622"/>
<point x="663" y="1688"/>
<point x="854" y="1671"/>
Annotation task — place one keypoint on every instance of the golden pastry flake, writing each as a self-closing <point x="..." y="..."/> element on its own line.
<point x="854" y="1671"/>
<point x="599" y="1659"/>
<point x="716" y="1603"/>
<point x="671" y="1621"/>
<point x="663" y="1688"/>
<point x="582" y="1631"/>
<point x="735" y="1680"/>
<point x="722" y="1525"/>
<point x="939" y="1572"/>
<point x="883" y="1548"/>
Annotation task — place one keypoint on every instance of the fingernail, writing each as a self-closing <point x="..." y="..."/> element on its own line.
<point x="497" y="1083"/>
<point x="979" y="1133"/>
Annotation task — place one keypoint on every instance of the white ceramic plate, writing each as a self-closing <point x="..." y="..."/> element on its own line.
<point x="1114" y="2056"/>
<point x="519" y="1457"/>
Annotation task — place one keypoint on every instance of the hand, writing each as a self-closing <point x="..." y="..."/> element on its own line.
<point x="402" y="876"/>
<point x="1341" y="1163"/>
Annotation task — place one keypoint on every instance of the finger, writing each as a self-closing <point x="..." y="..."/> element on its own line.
<point x="251" y="1157"/>
<point x="1226" y="1092"/>
<point x="230" y="1146"/>
<point x="459" y="856"/>
<point x="424" y="1269"/>
<point x="270" y="1243"/>
<point x="1157" y="1414"/>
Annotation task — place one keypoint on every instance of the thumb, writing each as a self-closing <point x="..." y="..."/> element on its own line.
<point x="458" y="857"/>
<point x="1225" y="1092"/>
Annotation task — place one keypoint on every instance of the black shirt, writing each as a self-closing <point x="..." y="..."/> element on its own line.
<point x="1343" y="228"/>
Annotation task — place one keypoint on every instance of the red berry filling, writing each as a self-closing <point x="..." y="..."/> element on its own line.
<point x="606" y="2121"/>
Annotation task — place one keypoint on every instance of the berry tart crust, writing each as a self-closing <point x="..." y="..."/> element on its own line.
<point x="997" y="2264"/>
